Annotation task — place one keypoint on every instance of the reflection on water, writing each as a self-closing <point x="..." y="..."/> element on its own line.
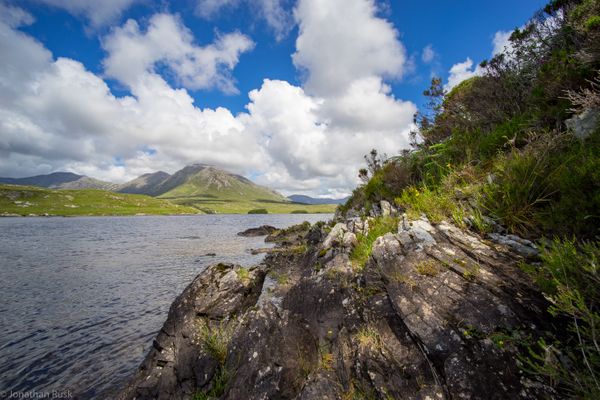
<point x="82" y="298"/>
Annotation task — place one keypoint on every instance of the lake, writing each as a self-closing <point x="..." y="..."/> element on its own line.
<point x="82" y="298"/>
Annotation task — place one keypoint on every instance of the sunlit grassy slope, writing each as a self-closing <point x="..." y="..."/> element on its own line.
<point x="27" y="200"/>
<point x="223" y="205"/>
<point x="213" y="190"/>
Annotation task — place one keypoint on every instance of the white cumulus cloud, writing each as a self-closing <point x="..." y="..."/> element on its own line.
<point x="55" y="114"/>
<point x="462" y="71"/>
<point x="132" y="52"/>
<point x="341" y="41"/>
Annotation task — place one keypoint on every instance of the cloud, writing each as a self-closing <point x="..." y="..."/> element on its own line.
<point x="166" y="40"/>
<point x="460" y="72"/>
<point x="14" y="17"/>
<point x="98" y="13"/>
<point x="428" y="54"/>
<point x="274" y="12"/>
<point x="501" y="42"/>
<point x="209" y="8"/>
<point x="333" y="52"/>
<point x="57" y="115"/>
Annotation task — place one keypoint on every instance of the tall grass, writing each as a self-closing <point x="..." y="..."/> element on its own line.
<point x="377" y="227"/>
<point x="570" y="277"/>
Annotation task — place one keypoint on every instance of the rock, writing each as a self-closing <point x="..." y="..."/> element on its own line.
<point x="210" y="255"/>
<point x="417" y="321"/>
<point x="386" y="247"/>
<point x="349" y="240"/>
<point x="263" y="230"/>
<point x="386" y="208"/>
<point x="523" y="247"/>
<point x="336" y="236"/>
<point x="582" y="125"/>
<point x="176" y="364"/>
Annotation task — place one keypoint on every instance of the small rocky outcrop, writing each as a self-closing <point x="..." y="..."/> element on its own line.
<point x="435" y="313"/>
<point x="263" y="230"/>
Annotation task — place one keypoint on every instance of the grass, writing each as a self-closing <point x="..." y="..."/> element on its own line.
<point x="214" y="338"/>
<point x="569" y="275"/>
<point x="244" y="205"/>
<point x="435" y="204"/>
<point x="427" y="268"/>
<point x="26" y="200"/>
<point x="368" y="338"/>
<point x="378" y="227"/>
<point x="243" y="274"/>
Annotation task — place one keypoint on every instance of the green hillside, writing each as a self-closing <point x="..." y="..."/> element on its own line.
<point x="30" y="200"/>
<point x="213" y="190"/>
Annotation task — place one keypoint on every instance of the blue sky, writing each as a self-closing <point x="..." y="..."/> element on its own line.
<point x="342" y="76"/>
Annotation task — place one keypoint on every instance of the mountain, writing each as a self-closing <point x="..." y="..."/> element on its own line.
<point x="206" y="181"/>
<point x="299" y="198"/>
<point x="145" y="184"/>
<point x="61" y="180"/>
<point x="203" y="187"/>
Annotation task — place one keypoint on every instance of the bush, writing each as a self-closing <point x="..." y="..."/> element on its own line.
<point x="258" y="211"/>
<point x="570" y="277"/>
<point x="299" y="212"/>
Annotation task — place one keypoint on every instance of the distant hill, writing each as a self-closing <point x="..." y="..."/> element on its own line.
<point x="298" y="198"/>
<point x="203" y="187"/>
<point x="61" y="180"/>
<point x="200" y="180"/>
<point x="149" y="184"/>
<point x="35" y="200"/>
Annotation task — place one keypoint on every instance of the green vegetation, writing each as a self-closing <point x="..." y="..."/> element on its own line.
<point x="427" y="268"/>
<point x="377" y="227"/>
<point x="570" y="276"/>
<point x="214" y="339"/>
<point x="258" y="211"/>
<point x="243" y="274"/>
<point x="211" y="205"/>
<point x="27" y="200"/>
<point x="497" y="149"/>
<point x="211" y="190"/>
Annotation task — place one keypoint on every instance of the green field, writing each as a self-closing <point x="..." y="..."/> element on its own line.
<point x="31" y="200"/>
<point x="209" y="204"/>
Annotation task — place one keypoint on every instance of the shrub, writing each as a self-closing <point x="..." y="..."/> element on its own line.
<point x="299" y="212"/>
<point x="258" y="211"/>
<point x="570" y="276"/>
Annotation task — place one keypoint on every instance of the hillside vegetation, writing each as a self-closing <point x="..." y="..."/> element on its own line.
<point x="30" y="200"/>
<point x="212" y="190"/>
<point x="517" y="149"/>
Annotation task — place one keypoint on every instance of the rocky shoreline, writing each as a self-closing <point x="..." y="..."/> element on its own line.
<point x="435" y="313"/>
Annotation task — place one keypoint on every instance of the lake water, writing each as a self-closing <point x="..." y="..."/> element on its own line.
<point x="82" y="298"/>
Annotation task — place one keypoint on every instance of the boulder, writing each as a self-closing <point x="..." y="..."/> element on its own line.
<point x="582" y="125"/>
<point x="336" y="236"/>
<point x="263" y="230"/>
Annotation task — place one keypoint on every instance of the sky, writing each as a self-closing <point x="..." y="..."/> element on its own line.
<point x="289" y="93"/>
